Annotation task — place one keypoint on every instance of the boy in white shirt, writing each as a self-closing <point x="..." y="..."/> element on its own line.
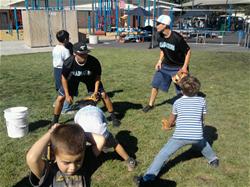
<point x="61" y="53"/>
<point x="92" y="120"/>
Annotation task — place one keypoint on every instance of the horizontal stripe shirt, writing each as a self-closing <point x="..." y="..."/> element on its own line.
<point x="189" y="121"/>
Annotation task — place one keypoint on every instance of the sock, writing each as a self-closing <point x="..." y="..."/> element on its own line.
<point x="55" y="118"/>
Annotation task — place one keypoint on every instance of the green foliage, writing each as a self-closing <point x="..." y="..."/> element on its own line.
<point x="26" y="80"/>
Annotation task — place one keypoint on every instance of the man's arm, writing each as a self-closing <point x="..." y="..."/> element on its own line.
<point x="158" y="64"/>
<point x="36" y="152"/>
<point x="66" y="90"/>
<point x="97" y="83"/>
<point x="186" y="62"/>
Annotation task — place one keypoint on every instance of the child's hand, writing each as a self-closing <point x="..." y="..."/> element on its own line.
<point x="165" y="124"/>
<point x="53" y="127"/>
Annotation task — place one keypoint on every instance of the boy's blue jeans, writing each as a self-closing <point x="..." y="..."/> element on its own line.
<point x="170" y="148"/>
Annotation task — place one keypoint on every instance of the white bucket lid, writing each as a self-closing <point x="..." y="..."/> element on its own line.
<point x="17" y="109"/>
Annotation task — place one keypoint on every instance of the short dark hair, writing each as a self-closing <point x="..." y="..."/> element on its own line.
<point x="190" y="85"/>
<point x="68" y="138"/>
<point x="87" y="102"/>
<point x="62" y="35"/>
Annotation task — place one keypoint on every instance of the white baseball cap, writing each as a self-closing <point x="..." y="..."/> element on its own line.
<point x="164" y="19"/>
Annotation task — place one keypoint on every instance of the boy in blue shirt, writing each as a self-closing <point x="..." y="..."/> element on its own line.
<point x="187" y="114"/>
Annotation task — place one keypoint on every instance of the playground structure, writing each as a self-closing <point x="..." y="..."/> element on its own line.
<point x="106" y="19"/>
<point x="96" y="17"/>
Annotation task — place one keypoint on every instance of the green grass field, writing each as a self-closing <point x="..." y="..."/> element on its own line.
<point x="26" y="80"/>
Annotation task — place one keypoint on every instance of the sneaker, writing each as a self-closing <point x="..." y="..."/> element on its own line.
<point x="214" y="163"/>
<point x="115" y="121"/>
<point x="147" y="108"/>
<point x="139" y="182"/>
<point x="131" y="163"/>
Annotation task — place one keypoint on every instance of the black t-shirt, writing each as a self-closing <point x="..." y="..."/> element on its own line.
<point x="174" y="48"/>
<point x="87" y="72"/>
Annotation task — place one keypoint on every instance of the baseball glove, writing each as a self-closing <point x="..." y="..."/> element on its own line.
<point x="90" y="100"/>
<point x="93" y="97"/>
<point x="178" y="76"/>
<point x="166" y="125"/>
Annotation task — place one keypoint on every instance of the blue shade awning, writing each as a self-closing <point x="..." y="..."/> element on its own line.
<point x="139" y="12"/>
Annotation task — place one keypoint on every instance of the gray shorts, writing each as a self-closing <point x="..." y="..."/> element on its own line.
<point x="111" y="142"/>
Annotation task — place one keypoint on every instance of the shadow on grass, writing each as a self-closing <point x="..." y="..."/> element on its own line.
<point x="164" y="183"/>
<point x="23" y="183"/>
<point x="128" y="142"/>
<point x="210" y="134"/>
<point x="160" y="183"/>
<point x="173" y="99"/>
<point x="121" y="108"/>
<point x="112" y="93"/>
<point x="38" y="124"/>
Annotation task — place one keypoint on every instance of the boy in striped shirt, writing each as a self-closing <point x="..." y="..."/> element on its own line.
<point x="187" y="114"/>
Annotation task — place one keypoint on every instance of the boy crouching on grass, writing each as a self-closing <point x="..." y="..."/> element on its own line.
<point x="187" y="113"/>
<point x="93" y="120"/>
<point x="68" y="145"/>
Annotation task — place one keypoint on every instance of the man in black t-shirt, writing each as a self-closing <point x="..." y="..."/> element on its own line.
<point x="174" y="56"/>
<point x="82" y="67"/>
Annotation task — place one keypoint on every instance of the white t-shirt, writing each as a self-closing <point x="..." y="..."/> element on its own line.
<point x="59" y="53"/>
<point x="91" y="119"/>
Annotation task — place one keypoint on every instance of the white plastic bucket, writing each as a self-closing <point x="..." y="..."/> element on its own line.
<point x="93" y="39"/>
<point x="16" y="121"/>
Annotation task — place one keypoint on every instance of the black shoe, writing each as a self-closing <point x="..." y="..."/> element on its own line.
<point x="214" y="163"/>
<point x="139" y="182"/>
<point x="147" y="108"/>
<point x="115" y="121"/>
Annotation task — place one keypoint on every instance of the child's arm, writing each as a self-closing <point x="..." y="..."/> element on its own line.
<point x="172" y="119"/>
<point x="36" y="152"/>
<point x="97" y="142"/>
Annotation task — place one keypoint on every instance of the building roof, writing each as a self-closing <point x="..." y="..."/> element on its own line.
<point x="6" y="4"/>
<point x="214" y="2"/>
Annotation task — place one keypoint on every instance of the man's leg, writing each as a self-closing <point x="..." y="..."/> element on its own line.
<point x="154" y="93"/>
<point x="107" y="102"/>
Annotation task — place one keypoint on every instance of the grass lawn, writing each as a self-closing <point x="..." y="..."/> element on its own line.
<point x="26" y="80"/>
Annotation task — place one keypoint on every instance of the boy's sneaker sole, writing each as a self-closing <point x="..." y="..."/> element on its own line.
<point x="131" y="163"/>
<point x="214" y="163"/>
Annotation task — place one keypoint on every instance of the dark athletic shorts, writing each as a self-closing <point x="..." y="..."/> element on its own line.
<point x="163" y="78"/>
<point x="73" y="88"/>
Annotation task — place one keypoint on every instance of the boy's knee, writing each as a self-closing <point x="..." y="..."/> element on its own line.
<point x="61" y="99"/>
